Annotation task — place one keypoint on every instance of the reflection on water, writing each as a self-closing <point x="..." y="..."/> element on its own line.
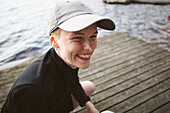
<point x="23" y="25"/>
<point x="147" y="22"/>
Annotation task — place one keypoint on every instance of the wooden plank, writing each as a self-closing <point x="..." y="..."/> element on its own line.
<point x="114" y="58"/>
<point x="8" y="79"/>
<point x="114" y="39"/>
<point x="114" y="48"/>
<point x="109" y="42"/>
<point x="129" y="93"/>
<point x="108" y="92"/>
<point x="117" y="1"/>
<point x="114" y="45"/>
<point x="110" y="73"/>
<point x="18" y="68"/>
<point x="101" y="65"/>
<point x="163" y="109"/>
<point x="144" y="87"/>
<point x="124" y="82"/>
<point x="111" y="56"/>
<point x="131" y="105"/>
<point x="153" y="102"/>
<point x="124" y="59"/>
<point x="4" y="91"/>
<point x="159" y="2"/>
<point x="117" y="37"/>
<point x="103" y="50"/>
<point x="156" y="2"/>
<point x="122" y="96"/>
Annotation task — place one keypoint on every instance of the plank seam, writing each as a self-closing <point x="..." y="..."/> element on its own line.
<point x="120" y="64"/>
<point x="148" y="99"/>
<point x="128" y="71"/>
<point x="130" y="79"/>
<point x="135" y="85"/>
<point x="137" y="94"/>
<point x="159" y="107"/>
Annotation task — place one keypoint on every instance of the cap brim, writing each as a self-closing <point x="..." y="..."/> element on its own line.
<point x="82" y="21"/>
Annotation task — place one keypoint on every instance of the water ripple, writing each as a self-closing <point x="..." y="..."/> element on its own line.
<point x="23" y="25"/>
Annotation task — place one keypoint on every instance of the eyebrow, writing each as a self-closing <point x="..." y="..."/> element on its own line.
<point x="79" y="33"/>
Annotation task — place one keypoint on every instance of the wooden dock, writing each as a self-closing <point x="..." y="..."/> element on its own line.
<point x="131" y="76"/>
<point x="156" y="2"/>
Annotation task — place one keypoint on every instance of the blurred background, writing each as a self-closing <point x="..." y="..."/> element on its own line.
<point x="23" y="26"/>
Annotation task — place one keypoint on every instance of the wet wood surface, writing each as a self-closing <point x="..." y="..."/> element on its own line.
<point x="131" y="76"/>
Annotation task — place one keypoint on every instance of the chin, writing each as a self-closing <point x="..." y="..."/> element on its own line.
<point x="83" y="67"/>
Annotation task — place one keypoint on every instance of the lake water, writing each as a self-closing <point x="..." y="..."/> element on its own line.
<point x="23" y="26"/>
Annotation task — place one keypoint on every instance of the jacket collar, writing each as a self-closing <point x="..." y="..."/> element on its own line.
<point x="63" y="67"/>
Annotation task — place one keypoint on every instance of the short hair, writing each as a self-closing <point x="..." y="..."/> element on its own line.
<point x="56" y="33"/>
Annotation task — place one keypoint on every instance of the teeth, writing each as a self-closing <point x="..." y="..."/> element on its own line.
<point x="84" y="56"/>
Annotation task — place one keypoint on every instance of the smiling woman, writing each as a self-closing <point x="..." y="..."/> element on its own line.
<point x="51" y="83"/>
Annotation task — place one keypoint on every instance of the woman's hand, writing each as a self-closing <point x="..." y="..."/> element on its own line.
<point x="91" y="108"/>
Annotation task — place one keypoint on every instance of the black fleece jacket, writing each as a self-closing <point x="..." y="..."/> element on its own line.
<point x="45" y="86"/>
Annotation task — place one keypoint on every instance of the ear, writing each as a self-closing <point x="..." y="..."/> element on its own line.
<point x="53" y="42"/>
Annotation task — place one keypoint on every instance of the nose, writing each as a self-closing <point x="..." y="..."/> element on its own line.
<point x="88" y="45"/>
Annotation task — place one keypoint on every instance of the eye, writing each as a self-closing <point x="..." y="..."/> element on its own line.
<point x="77" y="38"/>
<point x="93" y="37"/>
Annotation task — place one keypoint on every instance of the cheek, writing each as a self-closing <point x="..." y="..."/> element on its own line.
<point x="76" y="47"/>
<point x="95" y="44"/>
<point x="73" y="50"/>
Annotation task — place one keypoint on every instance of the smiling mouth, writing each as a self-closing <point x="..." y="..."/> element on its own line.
<point x="84" y="56"/>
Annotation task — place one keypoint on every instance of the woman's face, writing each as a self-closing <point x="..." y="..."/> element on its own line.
<point x="76" y="48"/>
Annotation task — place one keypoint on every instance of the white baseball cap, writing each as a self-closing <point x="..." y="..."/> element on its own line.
<point x="74" y="16"/>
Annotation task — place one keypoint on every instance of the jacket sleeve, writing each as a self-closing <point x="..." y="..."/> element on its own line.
<point x="78" y="91"/>
<point x="80" y="95"/>
<point x="28" y="99"/>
